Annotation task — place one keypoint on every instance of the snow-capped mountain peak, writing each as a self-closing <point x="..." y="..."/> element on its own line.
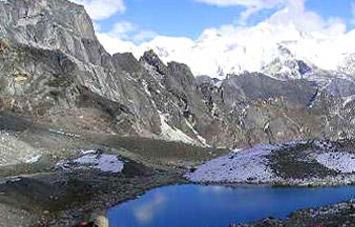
<point x="287" y="66"/>
<point x="281" y="50"/>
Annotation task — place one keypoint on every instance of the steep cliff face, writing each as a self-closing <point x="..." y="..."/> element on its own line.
<point x="53" y="69"/>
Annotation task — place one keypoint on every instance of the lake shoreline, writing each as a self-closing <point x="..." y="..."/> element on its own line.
<point x="208" y="197"/>
<point x="102" y="203"/>
<point x="339" y="214"/>
<point x="149" y="164"/>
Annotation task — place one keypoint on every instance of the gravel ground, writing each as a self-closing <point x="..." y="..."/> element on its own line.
<point x="11" y="216"/>
<point x="35" y="191"/>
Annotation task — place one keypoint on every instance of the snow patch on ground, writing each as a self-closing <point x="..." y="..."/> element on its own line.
<point x="11" y="179"/>
<point x="200" y="138"/>
<point x="173" y="134"/>
<point x="63" y="133"/>
<point x="103" y="162"/>
<point x="89" y="152"/>
<point x="253" y="165"/>
<point x="348" y="100"/>
<point x="146" y="89"/>
<point x="339" y="161"/>
<point x="249" y="165"/>
<point x="33" y="159"/>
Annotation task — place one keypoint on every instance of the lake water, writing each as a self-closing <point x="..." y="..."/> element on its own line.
<point x="197" y="205"/>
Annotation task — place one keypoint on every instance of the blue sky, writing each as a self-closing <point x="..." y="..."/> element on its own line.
<point x="189" y="18"/>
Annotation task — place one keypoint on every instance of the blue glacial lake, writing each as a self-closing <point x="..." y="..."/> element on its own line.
<point x="216" y="206"/>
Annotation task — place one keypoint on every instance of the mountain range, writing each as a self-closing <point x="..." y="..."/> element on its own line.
<point x="55" y="72"/>
<point x="289" y="34"/>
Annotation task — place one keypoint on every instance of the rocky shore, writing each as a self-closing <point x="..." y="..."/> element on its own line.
<point x="342" y="214"/>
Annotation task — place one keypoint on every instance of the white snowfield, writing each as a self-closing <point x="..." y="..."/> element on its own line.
<point x="342" y="162"/>
<point x="249" y="165"/>
<point x="91" y="159"/>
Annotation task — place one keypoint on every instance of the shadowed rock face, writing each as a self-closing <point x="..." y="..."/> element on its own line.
<point x="53" y="69"/>
<point x="261" y="87"/>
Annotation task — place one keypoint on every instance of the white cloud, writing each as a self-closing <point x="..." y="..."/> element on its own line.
<point x="128" y="31"/>
<point x="125" y="35"/>
<point x="123" y="27"/>
<point x="115" y="45"/>
<point x="254" y="6"/>
<point x="306" y="21"/>
<point x="235" y="48"/>
<point x="251" y="6"/>
<point x="102" y="9"/>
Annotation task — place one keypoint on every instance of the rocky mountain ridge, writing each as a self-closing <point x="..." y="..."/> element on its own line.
<point x="54" y="70"/>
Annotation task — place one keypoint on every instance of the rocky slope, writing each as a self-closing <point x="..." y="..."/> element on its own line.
<point x="54" y="70"/>
<point x="341" y="214"/>
<point x="312" y="163"/>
